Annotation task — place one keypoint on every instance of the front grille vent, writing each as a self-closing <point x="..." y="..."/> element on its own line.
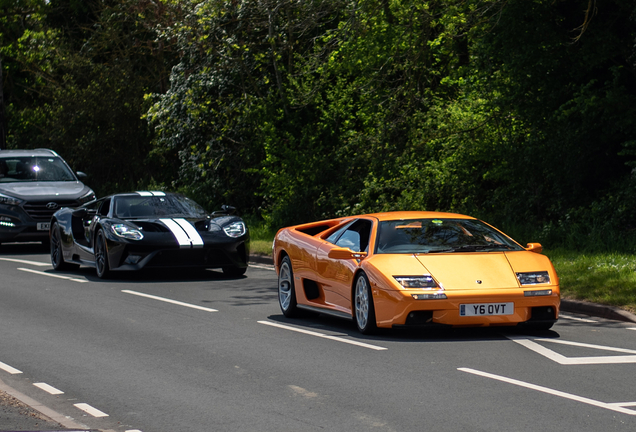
<point x="40" y="212"/>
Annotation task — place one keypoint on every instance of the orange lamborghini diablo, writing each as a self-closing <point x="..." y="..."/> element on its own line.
<point x="414" y="269"/>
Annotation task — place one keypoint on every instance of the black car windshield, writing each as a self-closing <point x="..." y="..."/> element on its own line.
<point x="440" y="235"/>
<point x="34" y="168"/>
<point x="157" y="206"/>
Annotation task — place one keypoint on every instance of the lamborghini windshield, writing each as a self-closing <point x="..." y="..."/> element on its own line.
<point x="441" y="235"/>
<point x="34" y="168"/>
<point x="157" y="206"/>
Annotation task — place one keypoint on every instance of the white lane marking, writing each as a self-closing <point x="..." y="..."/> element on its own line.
<point x="321" y="335"/>
<point x="53" y="275"/>
<point x="169" y="301"/>
<point x="264" y="267"/>
<point x="133" y="430"/>
<point x="585" y="345"/>
<point x="49" y="389"/>
<point x="631" y="328"/>
<point x="35" y="263"/>
<point x="619" y="407"/>
<point x="5" y="367"/>
<point x="178" y="232"/>
<point x="90" y="410"/>
<point x="569" y="317"/>
<point x="561" y="359"/>
<point x="195" y="238"/>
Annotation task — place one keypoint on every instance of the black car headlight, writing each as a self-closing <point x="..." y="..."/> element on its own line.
<point x="533" y="278"/>
<point x="9" y="200"/>
<point x="235" y="229"/>
<point x="127" y="232"/>
<point x="417" y="282"/>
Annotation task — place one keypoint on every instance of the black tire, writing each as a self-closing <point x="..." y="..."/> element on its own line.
<point x="363" y="308"/>
<point x="101" y="256"/>
<point x="234" y="271"/>
<point x="287" y="290"/>
<point x="57" y="257"/>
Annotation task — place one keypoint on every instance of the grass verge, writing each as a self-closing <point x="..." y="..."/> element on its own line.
<point x="603" y="277"/>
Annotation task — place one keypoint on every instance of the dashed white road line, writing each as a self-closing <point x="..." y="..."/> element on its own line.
<point x="631" y="328"/>
<point x="53" y="275"/>
<point x="5" y="367"/>
<point x="21" y="261"/>
<point x="169" y="301"/>
<point x="324" y="336"/>
<point x="49" y="389"/>
<point x="573" y="318"/>
<point x="618" y="407"/>
<point x="90" y="410"/>
<point x="264" y="267"/>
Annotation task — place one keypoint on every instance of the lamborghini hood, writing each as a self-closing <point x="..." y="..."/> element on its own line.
<point x="470" y="270"/>
<point x="457" y="271"/>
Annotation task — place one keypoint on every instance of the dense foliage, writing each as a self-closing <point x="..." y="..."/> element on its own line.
<point x="520" y="112"/>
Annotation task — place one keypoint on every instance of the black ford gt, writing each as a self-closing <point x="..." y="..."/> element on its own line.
<point x="131" y="231"/>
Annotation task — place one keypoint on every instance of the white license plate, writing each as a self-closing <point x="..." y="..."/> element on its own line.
<point x="486" y="309"/>
<point x="43" y="226"/>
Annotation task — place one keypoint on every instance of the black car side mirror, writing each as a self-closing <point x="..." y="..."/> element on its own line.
<point x="81" y="175"/>
<point x="80" y="213"/>
<point x="225" y="210"/>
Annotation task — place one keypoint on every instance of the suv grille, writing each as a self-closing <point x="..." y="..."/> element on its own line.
<point x="40" y="212"/>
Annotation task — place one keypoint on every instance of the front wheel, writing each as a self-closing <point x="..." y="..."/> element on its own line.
<point x="286" y="290"/>
<point x="101" y="256"/>
<point x="57" y="258"/>
<point x="363" y="305"/>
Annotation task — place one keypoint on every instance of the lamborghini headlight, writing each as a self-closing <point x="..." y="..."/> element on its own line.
<point x="533" y="278"/>
<point x="417" y="282"/>
<point x="235" y="229"/>
<point x="127" y="232"/>
<point x="9" y="200"/>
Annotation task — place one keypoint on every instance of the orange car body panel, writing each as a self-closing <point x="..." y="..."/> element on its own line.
<point x="466" y="278"/>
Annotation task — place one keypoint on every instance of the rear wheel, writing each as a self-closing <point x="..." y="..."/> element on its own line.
<point x="286" y="290"/>
<point x="101" y="256"/>
<point x="57" y="258"/>
<point x="363" y="305"/>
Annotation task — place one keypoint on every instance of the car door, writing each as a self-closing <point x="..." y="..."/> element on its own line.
<point x="336" y="275"/>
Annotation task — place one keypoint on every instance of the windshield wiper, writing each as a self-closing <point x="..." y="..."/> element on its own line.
<point x="470" y="248"/>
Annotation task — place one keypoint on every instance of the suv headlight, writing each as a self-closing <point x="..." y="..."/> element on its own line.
<point x="533" y="278"/>
<point x="127" y="232"/>
<point x="9" y="200"/>
<point x="89" y="196"/>
<point x="235" y="229"/>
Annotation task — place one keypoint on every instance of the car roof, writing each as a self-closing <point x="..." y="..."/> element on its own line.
<point x="28" y="152"/>
<point x="398" y="215"/>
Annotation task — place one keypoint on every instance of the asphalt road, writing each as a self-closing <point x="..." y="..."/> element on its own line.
<point x="160" y="352"/>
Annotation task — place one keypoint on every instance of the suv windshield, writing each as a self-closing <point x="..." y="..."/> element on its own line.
<point x="441" y="235"/>
<point x="34" y="168"/>
<point x="163" y="206"/>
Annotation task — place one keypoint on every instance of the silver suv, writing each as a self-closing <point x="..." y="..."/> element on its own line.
<point x="33" y="185"/>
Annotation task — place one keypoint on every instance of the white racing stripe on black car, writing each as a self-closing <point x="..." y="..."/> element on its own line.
<point x="151" y="193"/>
<point x="184" y="232"/>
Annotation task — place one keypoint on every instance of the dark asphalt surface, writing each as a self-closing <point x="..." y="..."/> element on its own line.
<point x="16" y="415"/>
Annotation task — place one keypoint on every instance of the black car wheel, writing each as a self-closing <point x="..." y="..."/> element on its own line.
<point x="286" y="290"/>
<point x="57" y="258"/>
<point x="234" y="271"/>
<point x="101" y="256"/>
<point x="364" y="310"/>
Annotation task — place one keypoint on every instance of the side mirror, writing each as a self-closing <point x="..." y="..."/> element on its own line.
<point x="81" y="175"/>
<point x="225" y="210"/>
<point x="345" y="253"/>
<point x="80" y="213"/>
<point x="534" y="247"/>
